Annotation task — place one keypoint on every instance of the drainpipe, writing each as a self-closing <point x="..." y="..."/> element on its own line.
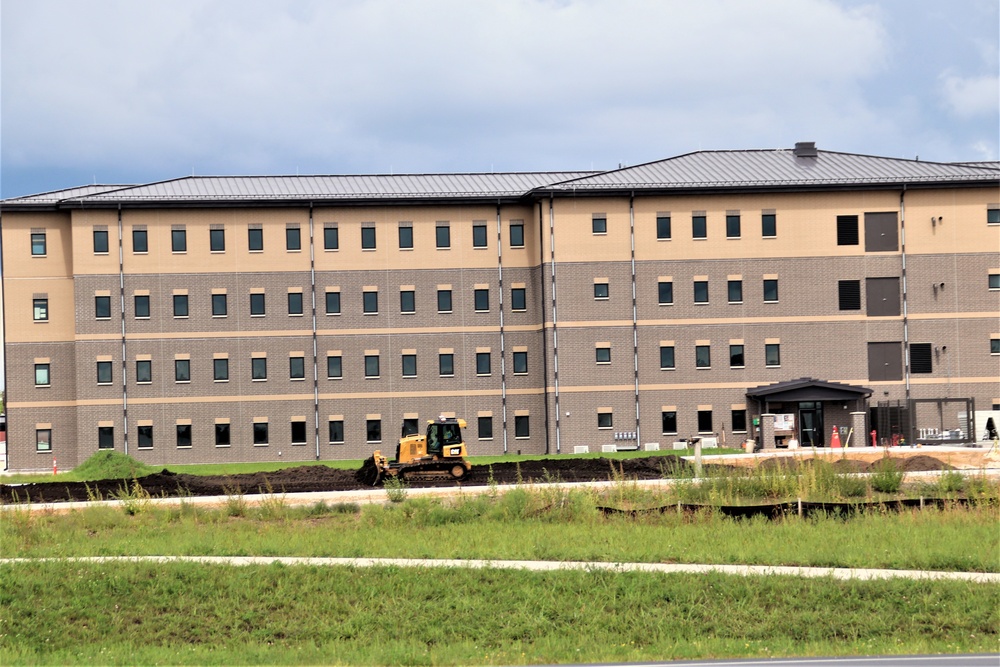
<point x="121" y="310"/>
<point x="906" y="322"/>
<point x="555" y="319"/>
<point x="312" y="291"/>
<point x="503" y="366"/>
<point x="635" y="317"/>
<point x="541" y="318"/>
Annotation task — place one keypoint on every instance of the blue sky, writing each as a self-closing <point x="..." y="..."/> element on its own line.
<point x="124" y="91"/>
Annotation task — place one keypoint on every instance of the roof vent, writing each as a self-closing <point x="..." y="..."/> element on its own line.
<point x="805" y="149"/>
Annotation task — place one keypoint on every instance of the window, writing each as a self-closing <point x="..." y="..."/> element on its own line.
<point x="102" y="307"/>
<point x="220" y="305"/>
<point x="297" y="368"/>
<point x="518" y="299"/>
<point x="667" y="362"/>
<point x="410" y="427"/>
<point x="516" y="235"/>
<point x="258" y="368"/>
<point x="373" y="430"/>
<point x="257" y="305"/>
<point x="336" y="427"/>
<point x="920" y="358"/>
<point x="38" y="246"/>
<point x="994" y="345"/>
<point x="140" y="241"/>
<point x="605" y="420"/>
<point x="768" y="225"/>
<point x="217" y="240"/>
<point x="993" y="216"/>
<point x="485" y="428"/>
<point x="847" y="230"/>
<point x="407" y="301"/>
<point x="736" y="356"/>
<point x="405" y="238"/>
<point x="662" y="227"/>
<point x="994" y="281"/>
<point x="599" y="225"/>
<point x="409" y="365"/>
<point x="701" y="291"/>
<point x="665" y="292"/>
<point x="42" y="375"/>
<point x="260" y="433"/>
<point x="295" y="303"/>
<point x="522" y="429"/>
<point x="668" y="420"/>
<point x="442" y="236"/>
<point x="105" y="437"/>
<point x="732" y="226"/>
<point x="702" y="356"/>
<point x="41" y="309"/>
<point x="482" y="363"/>
<point x="479" y="236"/>
<point x="849" y="294"/>
<point x="142" y="306"/>
<point x="444" y="300"/>
<point x="446" y="364"/>
<point x="298" y="432"/>
<point x="371" y="366"/>
<point x="43" y="440"/>
<point x="704" y="421"/>
<point x="333" y="303"/>
<point x="293" y="238"/>
<point x="520" y="363"/>
<point x="182" y="370"/>
<point x="100" y="241"/>
<point x="770" y="291"/>
<point x="699" y="227"/>
<point x="145" y="434"/>
<point x="180" y="305"/>
<point x="370" y="303"/>
<point x="220" y="370"/>
<point x="222" y="435"/>
<point x="603" y="355"/>
<point x="104" y="372"/>
<point x="255" y="239"/>
<point x="178" y="240"/>
<point x="772" y="354"/>
<point x="739" y="420"/>
<point x="482" y="300"/>
<point x="143" y="371"/>
<point x="367" y="238"/>
<point x="334" y="366"/>
<point x="331" y="238"/>
<point x="601" y="290"/>
<point x="735" y="289"/>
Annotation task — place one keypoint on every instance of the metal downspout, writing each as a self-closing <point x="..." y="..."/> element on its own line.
<point x="906" y="322"/>
<point x="3" y="335"/>
<point x="635" y="317"/>
<point x="312" y="291"/>
<point x="541" y="315"/>
<point x="121" y="310"/>
<point x="503" y="367"/>
<point x="555" y="319"/>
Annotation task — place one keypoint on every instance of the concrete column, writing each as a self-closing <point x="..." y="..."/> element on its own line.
<point x="860" y="437"/>
<point x="767" y="431"/>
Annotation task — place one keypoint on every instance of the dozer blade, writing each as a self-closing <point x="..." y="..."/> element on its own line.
<point x="369" y="472"/>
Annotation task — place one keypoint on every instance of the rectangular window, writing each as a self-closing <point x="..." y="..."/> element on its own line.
<point x="409" y="365"/>
<point x="994" y="345"/>
<point x="732" y="226"/>
<point x="140" y="241"/>
<point x="336" y="428"/>
<point x="410" y="427"/>
<point x="223" y="437"/>
<point x="442" y="236"/>
<point x="735" y="289"/>
<point x="331" y="238"/>
<point x="520" y="363"/>
<point x="142" y="306"/>
<point x="40" y="308"/>
<point x="373" y="430"/>
<point x="217" y="240"/>
<point x="994" y="281"/>
<point x="407" y="301"/>
<point x="145" y="434"/>
<point x="298" y="432"/>
<point x="516" y="235"/>
<point x="105" y="437"/>
<point x="849" y="294"/>
<point x="662" y="227"/>
<point x="599" y="225"/>
<point x="704" y="421"/>
<point x="370" y="303"/>
<point x="522" y="429"/>
<point x="479" y="236"/>
<point x="701" y="291"/>
<point x="43" y="440"/>
<point x="297" y="368"/>
<point x="482" y="300"/>
<point x="260" y="433"/>
<point x="446" y="364"/>
<point x="665" y="293"/>
<point x="768" y="225"/>
<point x="255" y="239"/>
<point x="920" y="358"/>
<point x="258" y="306"/>
<point x="518" y="299"/>
<point x="100" y="241"/>
<point x="293" y="238"/>
<point x="367" y="238"/>
<point x="703" y="356"/>
<point x="770" y="291"/>
<point x="605" y="420"/>
<point x="772" y="355"/>
<point x="102" y="307"/>
<point x="482" y="363"/>
<point x="485" y="428"/>
<point x="220" y="370"/>
<point x="258" y="368"/>
<point x="180" y="305"/>
<point x="667" y="361"/>
<point x="699" y="227"/>
<point x="444" y="300"/>
<point x="601" y="290"/>
<point x="668" y="422"/>
<point x="143" y="371"/>
<point x="104" y="375"/>
<point x="332" y="303"/>
<point x="334" y="367"/>
<point x="993" y="216"/>
<point x="405" y="238"/>
<point x="739" y="421"/>
<point x="736" y="356"/>
<point x="178" y="240"/>
<point x="42" y="375"/>
<point x="182" y="370"/>
<point x="371" y="366"/>
<point x="847" y="230"/>
<point x="220" y="305"/>
<point x="295" y="303"/>
<point x="602" y="355"/>
<point x="38" y="245"/>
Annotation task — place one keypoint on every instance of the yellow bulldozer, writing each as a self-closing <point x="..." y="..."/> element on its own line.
<point x="439" y="454"/>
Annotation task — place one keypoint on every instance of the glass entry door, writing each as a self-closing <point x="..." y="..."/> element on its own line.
<point x="811" y="424"/>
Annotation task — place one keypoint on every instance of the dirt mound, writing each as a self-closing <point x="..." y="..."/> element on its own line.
<point x="921" y="463"/>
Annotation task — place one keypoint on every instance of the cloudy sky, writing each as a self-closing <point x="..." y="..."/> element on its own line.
<point x="134" y="91"/>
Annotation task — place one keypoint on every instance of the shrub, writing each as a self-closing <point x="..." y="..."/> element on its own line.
<point x="110" y="465"/>
<point x="886" y="477"/>
<point x="951" y="481"/>
<point x="395" y="489"/>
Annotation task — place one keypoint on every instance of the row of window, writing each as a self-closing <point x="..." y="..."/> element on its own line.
<point x="703" y="356"/>
<point x="734" y="291"/>
<point x="699" y="225"/>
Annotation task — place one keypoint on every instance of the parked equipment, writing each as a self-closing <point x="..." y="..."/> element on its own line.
<point x="439" y="454"/>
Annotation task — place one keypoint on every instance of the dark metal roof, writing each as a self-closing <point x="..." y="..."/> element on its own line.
<point x="56" y="196"/>
<point x="808" y="389"/>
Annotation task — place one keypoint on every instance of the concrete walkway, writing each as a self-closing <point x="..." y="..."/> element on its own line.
<point x="539" y="565"/>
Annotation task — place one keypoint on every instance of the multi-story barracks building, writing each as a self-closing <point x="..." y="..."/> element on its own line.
<point x="726" y="295"/>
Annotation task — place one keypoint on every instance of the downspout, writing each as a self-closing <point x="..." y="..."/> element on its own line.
<point x="121" y="310"/>
<point x="312" y="291"/>
<point x="541" y="317"/>
<point x="555" y="319"/>
<point x="635" y="317"/>
<point x="503" y="367"/>
<point x="3" y="331"/>
<point x="906" y="323"/>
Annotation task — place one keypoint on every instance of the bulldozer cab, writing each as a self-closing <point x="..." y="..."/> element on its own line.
<point x="441" y="433"/>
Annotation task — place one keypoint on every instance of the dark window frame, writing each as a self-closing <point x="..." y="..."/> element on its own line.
<point x="181" y="306"/>
<point x="143" y="371"/>
<point x="700" y="289"/>
<point x="699" y="226"/>
<point x="407" y="301"/>
<point x="442" y="237"/>
<point x="331" y="302"/>
<point x="182" y="371"/>
<point x="663" y="230"/>
<point x="484" y="365"/>
<point x="404" y="236"/>
<point x="258" y="304"/>
<point x="668" y="358"/>
<point x="705" y="423"/>
<point x="220" y="369"/>
<point x="702" y="356"/>
<point x="140" y="242"/>
<point x="481" y="300"/>
<point x="444" y="301"/>
<point x="293" y="239"/>
<point x="668" y="422"/>
<point x="369" y="304"/>
<point x="296" y="368"/>
<point x="178" y="240"/>
<point x="220" y="305"/>
<point x="331" y="238"/>
<point x="520" y="362"/>
<point x="372" y="366"/>
<point x="409" y="365"/>
<point x="734" y="226"/>
<point x="373" y="430"/>
<point x="737" y="355"/>
<point x="516" y="233"/>
<point x="522" y="427"/>
<point x="665" y="293"/>
<point x="518" y="299"/>
<point x="734" y="291"/>
<point x="39" y="244"/>
<point x="101" y="242"/>
<point x="768" y="225"/>
<point x="772" y="355"/>
<point x="334" y="367"/>
<point x="217" y="240"/>
<point x="255" y="239"/>
<point x="771" y="290"/>
<point x="369" y="240"/>
<point x="140" y="305"/>
<point x="258" y="369"/>
<point x="480" y="236"/>
<point x="105" y="373"/>
<point x="102" y="307"/>
<point x="446" y="364"/>
<point x="296" y="304"/>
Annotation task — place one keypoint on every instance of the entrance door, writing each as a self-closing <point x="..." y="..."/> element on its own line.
<point x="811" y="424"/>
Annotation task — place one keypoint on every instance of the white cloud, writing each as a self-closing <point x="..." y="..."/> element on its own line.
<point x="971" y="95"/>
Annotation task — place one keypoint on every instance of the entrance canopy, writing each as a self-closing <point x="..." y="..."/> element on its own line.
<point x="807" y="389"/>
